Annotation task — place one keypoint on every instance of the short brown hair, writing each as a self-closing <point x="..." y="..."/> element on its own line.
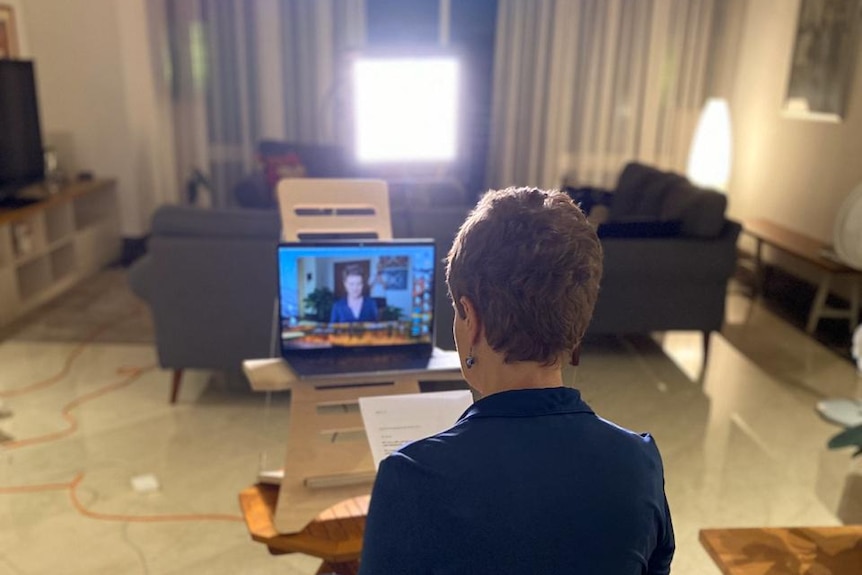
<point x="352" y="270"/>
<point x="531" y="264"/>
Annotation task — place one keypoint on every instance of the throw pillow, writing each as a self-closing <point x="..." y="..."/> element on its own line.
<point x="281" y="165"/>
<point x="703" y="215"/>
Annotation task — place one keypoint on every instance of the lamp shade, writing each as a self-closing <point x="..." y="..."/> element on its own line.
<point x="710" y="156"/>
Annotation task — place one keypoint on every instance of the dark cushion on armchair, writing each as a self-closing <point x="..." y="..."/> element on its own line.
<point x="646" y="194"/>
<point x="641" y="191"/>
<point x="669" y="251"/>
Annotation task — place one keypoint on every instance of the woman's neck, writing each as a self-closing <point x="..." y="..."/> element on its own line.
<point x="496" y="375"/>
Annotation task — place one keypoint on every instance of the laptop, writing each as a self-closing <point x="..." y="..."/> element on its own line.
<point x="356" y="307"/>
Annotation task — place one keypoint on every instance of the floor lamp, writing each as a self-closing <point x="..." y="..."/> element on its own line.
<point x="711" y="151"/>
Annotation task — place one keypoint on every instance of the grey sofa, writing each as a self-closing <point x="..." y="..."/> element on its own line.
<point x="209" y="278"/>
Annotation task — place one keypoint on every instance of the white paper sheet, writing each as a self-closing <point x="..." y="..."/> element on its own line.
<point x="393" y="420"/>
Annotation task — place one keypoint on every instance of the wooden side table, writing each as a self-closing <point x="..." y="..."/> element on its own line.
<point x="811" y="251"/>
<point x="335" y="536"/>
<point x="786" y="550"/>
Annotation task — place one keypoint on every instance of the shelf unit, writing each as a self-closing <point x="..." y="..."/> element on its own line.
<point x="48" y="246"/>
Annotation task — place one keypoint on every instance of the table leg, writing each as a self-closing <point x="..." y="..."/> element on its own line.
<point x="819" y="302"/>
<point x="854" y="303"/>
<point x="759" y="275"/>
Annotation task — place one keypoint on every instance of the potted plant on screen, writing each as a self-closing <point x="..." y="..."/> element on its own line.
<point x="318" y="304"/>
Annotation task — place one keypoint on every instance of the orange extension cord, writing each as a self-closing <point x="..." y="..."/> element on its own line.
<point x="131" y="375"/>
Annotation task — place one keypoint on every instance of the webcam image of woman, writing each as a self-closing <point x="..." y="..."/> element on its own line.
<point x="354" y="306"/>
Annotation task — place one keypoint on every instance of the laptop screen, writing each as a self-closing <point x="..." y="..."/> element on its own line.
<point x="355" y="294"/>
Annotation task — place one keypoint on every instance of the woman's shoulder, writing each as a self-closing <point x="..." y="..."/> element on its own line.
<point x="442" y="450"/>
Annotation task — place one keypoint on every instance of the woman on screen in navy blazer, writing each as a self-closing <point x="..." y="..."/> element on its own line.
<point x="355" y="306"/>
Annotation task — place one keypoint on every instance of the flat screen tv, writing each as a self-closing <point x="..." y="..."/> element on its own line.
<point x="21" y="156"/>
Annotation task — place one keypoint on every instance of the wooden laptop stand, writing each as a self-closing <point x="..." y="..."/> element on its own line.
<point x="319" y="508"/>
<point x="327" y="458"/>
<point x="320" y="208"/>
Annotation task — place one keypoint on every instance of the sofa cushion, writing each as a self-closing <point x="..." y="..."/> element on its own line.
<point x="703" y="214"/>
<point x="638" y="189"/>
<point x="634" y="176"/>
<point x="636" y="228"/>
<point x="641" y="192"/>
<point x="189" y="221"/>
<point x="647" y="194"/>
<point x="676" y="200"/>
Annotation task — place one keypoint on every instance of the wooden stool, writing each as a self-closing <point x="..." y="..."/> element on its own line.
<point x="335" y="536"/>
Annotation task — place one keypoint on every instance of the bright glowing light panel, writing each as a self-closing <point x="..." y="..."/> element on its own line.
<point x="406" y="109"/>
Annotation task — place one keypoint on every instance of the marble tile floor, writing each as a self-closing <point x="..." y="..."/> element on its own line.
<point x="741" y="442"/>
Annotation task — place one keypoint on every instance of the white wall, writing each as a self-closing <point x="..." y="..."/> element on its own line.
<point x="99" y="99"/>
<point x="792" y="171"/>
<point x="796" y="172"/>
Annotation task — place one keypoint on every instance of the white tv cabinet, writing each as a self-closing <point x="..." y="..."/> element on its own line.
<point x="48" y="246"/>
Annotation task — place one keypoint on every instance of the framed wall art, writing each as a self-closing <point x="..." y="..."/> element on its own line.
<point x="824" y="58"/>
<point x="8" y="33"/>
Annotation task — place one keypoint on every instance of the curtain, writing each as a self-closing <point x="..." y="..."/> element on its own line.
<point x="583" y="86"/>
<point x="318" y="38"/>
<point x="242" y="71"/>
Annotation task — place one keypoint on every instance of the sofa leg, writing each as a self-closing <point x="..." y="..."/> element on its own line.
<point x="175" y="384"/>
<point x="706" y="346"/>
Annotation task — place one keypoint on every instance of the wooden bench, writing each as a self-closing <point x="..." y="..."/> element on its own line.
<point x="812" y="252"/>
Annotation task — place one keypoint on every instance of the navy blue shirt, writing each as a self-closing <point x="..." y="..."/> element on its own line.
<point x="528" y="481"/>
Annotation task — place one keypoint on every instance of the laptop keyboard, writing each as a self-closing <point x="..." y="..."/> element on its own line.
<point x="327" y="364"/>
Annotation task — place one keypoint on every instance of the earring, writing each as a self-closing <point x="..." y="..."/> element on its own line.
<point x="470" y="361"/>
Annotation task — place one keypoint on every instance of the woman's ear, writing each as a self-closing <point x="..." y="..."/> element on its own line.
<point x="471" y="319"/>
